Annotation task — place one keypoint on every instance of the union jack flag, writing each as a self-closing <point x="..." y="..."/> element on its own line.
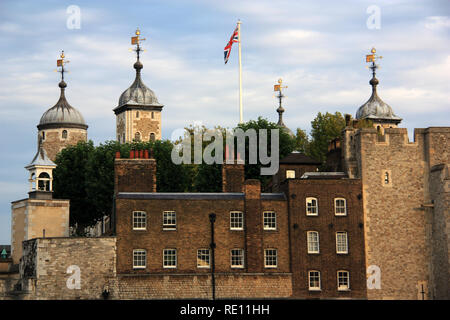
<point x="227" y="49"/>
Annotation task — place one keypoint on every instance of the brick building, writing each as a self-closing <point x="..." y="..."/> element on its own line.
<point x="261" y="239"/>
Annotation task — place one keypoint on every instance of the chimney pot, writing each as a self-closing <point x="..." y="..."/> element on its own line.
<point x="117" y="154"/>
<point x="131" y="154"/>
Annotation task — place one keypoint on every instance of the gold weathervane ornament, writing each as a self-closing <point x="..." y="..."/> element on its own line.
<point x="279" y="86"/>
<point x="372" y="58"/>
<point x="136" y="41"/>
<point x="60" y="63"/>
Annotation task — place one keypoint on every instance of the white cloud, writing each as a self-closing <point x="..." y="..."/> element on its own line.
<point x="437" y="22"/>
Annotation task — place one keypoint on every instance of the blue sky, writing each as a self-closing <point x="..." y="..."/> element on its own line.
<point x="317" y="47"/>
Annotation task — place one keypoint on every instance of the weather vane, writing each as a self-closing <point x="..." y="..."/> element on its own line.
<point x="60" y="63"/>
<point x="371" y="58"/>
<point x="136" y="41"/>
<point x="279" y="87"/>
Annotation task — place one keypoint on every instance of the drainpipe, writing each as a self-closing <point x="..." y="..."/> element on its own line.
<point x="212" y="219"/>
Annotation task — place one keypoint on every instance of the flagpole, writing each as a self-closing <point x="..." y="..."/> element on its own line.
<point x="240" y="74"/>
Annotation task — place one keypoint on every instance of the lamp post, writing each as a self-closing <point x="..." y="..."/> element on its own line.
<point x="212" y="219"/>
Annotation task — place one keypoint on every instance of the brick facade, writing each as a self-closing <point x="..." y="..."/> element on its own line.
<point x="326" y="223"/>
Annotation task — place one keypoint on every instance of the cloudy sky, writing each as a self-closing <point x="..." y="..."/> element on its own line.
<point x="317" y="47"/>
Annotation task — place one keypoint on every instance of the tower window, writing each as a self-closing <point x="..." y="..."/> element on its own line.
<point x="153" y="115"/>
<point x="386" y="178"/>
<point x="137" y="114"/>
<point x="44" y="182"/>
<point x="64" y="134"/>
<point x="137" y="136"/>
<point x="152" y="137"/>
<point x="43" y="135"/>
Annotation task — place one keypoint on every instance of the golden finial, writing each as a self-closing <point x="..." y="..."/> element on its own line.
<point x="60" y="63"/>
<point x="279" y="86"/>
<point x="136" y="41"/>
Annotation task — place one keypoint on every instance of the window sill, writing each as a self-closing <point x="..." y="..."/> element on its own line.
<point x="169" y="267"/>
<point x="315" y="289"/>
<point x="169" y="229"/>
<point x="344" y="290"/>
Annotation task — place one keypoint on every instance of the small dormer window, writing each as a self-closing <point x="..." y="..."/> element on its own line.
<point x="64" y="134"/>
<point x="290" y="174"/>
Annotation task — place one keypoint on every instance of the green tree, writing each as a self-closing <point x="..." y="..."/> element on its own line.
<point x="325" y="127"/>
<point x="302" y="142"/>
<point x="286" y="146"/>
<point x="70" y="182"/>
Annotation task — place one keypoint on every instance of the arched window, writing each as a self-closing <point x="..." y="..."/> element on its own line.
<point x="43" y="135"/>
<point x="153" y="115"/>
<point x="137" y="114"/>
<point x="386" y="177"/>
<point x="137" y="136"/>
<point x="64" y="134"/>
<point x="152" y="137"/>
<point x="44" y="182"/>
<point x="311" y="207"/>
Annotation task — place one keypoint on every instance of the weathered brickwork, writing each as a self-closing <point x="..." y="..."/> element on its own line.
<point x="193" y="228"/>
<point x="233" y="177"/>
<point x="328" y="262"/>
<point x="54" y="141"/>
<point x="133" y="175"/>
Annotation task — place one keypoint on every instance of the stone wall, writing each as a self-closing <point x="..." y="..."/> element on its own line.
<point x="30" y="217"/>
<point x="50" y="267"/>
<point x="395" y="224"/>
<point x="440" y="196"/>
<point x="54" y="141"/>
<point x="198" y="286"/>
